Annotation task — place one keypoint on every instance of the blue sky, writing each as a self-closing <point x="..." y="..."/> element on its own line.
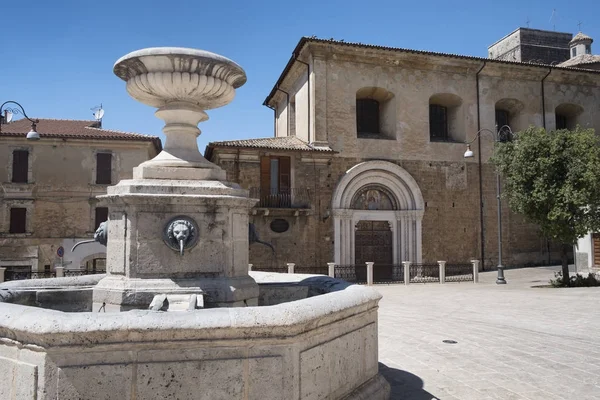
<point x="56" y="57"/>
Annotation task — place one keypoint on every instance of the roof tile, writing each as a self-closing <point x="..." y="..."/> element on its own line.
<point x="275" y="143"/>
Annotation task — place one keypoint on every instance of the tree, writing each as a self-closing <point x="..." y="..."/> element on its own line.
<point x="553" y="179"/>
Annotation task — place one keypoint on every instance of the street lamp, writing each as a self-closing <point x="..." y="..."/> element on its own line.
<point x="501" y="135"/>
<point x="8" y="114"/>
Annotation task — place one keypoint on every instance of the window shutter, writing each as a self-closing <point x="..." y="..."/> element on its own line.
<point x="18" y="220"/>
<point x="20" y="166"/>
<point x="265" y="174"/>
<point x="284" y="174"/>
<point x="103" y="168"/>
<point x="101" y="216"/>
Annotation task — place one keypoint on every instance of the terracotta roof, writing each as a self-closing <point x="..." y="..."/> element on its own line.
<point x="73" y="129"/>
<point x="304" y="40"/>
<point x="580" y="61"/>
<point x="580" y="37"/>
<point x="273" y="143"/>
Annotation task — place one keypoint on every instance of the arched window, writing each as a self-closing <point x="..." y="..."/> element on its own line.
<point x="567" y="115"/>
<point x="509" y="113"/>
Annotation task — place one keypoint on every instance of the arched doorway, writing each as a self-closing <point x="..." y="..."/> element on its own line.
<point x="370" y="196"/>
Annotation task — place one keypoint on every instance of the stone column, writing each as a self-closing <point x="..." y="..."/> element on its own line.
<point x="369" y="273"/>
<point x="2" y="274"/>
<point x="331" y="269"/>
<point x="442" y="265"/>
<point x="249" y="267"/>
<point x="406" y="272"/>
<point x="60" y="272"/>
<point x="475" y="271"/>
<point x="290" y="267"/>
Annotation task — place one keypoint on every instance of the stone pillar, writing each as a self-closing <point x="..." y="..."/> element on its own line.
<point x="2" y="274"/>
<point x="442" y="265"/>
<point x="331" y="269"/>
<point x="249" y="267"/>
<point x="290" y="267"/>
<point x="406" y="272"/>
<point x="369" y="272"/>
<point x="60" y="272"/>
<point x="475" y="271"/>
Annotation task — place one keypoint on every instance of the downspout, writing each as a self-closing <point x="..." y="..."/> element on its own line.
<point x="288" y="110"/>
<point x="274" y="119"/>
<point x="308" y="89"/>
<point x="544" y="99"/>
<point x="481" y="220"/>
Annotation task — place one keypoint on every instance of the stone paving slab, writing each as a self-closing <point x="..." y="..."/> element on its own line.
<point x="513" y="341"/>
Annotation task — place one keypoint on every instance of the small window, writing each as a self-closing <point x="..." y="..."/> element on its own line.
<point x="367" y="116"/>
<point x="101" y="216"/>
<point x="20" y="167"/>
<point x="103" y="168"/>
<point x="46" y="268"/>
<point x="18" y="220"/>
<point x="438" y="123"/>
<point x="588" y="49"/>
<point x="573" y="52"/>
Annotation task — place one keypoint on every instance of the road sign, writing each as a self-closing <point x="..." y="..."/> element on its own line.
<point x="60" y="251"/>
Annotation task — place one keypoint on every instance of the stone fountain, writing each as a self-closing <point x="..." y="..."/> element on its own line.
<point x="178" y="315"/>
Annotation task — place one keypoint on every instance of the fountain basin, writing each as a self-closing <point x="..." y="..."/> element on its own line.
<point x="324" y="346"/>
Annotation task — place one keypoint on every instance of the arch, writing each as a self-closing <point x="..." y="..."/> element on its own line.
<point x="404" y="211"/>
<point x="567" y="115"/>
<point x="384" y="173"/>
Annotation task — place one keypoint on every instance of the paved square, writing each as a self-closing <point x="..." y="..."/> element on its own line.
<point x="513" y="341"/>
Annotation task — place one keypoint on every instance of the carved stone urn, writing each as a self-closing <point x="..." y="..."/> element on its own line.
<point x="182" y="84"/>
<point x="177" y="227"/>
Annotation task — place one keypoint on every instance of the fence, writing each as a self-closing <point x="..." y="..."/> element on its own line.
<point x="10" y="275"/>
<point x="370" y="273"/>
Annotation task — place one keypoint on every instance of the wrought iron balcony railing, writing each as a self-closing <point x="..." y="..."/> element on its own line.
<point x="281" y="198"/>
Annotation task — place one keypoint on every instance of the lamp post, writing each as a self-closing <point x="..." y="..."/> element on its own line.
<point x="501" y="135"/>
<point x="6" y="114"/>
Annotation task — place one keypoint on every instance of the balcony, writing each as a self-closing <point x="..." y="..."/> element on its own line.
<point x="296" y="198"/>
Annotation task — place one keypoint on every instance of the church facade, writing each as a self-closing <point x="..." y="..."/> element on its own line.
<point x="367" y="160"/>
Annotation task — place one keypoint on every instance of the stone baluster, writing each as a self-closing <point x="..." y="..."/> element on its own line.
<point x="60" y="272"/>
<point x="331" y="269"/>
<point x="2" y="270"/>
<point x="406" y="272"/>
<point x="369" y="272"/>
<point x="475" y="271"/>
<point x="250" y="267"/>
<point x="291" y="267"/>
<point x="442" y="265"/>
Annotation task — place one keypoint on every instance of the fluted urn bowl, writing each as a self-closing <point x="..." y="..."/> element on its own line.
<point x="159" y="75"/>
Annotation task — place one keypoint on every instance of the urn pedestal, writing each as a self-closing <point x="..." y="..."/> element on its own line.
<point x="177" y="227"/>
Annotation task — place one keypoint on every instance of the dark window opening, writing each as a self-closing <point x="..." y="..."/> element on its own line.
<point x="561" y="121"/>
<point x="279" y="225"/>
<point x="103" y="168"/>
<point x="46" y="268"/>
<point x="101" y="216"/>
<point x="20" y="166"/>
<point x="503" y="125"/>
<point x="588" y="49"/>
<point x="18" y="220"/>
<point x="367" y="116"/>
<point x="438" y="123"/>
<point x="573" y="52"/>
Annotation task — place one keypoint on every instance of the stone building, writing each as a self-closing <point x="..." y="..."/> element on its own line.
<point x="367" y="161"/>
<point x="49" y="189"/>
<point x="581" y="53"/>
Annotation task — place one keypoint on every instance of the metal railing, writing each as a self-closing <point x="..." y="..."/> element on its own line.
<point x="281" y="198"/>
<point x="80" y="272"/>
<point x="422" y="273"/>
<point x="459" y="272"/>
<point x="388" y="273"/>
<point x="266" y="268"/>
<point x="355" y="273"/>
<point x="22" y="275"/>
<point x="316" y="269"/>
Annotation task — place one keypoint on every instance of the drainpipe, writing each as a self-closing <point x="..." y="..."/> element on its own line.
<point x="481" y="220"/>
<point x="288" y="109"/>
<point x="544" y="99"/>
<point x="274" y="119"/>
<point x="308" y="89"/>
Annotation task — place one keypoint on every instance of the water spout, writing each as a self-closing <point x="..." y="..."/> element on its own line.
<point x="181" y="244"/>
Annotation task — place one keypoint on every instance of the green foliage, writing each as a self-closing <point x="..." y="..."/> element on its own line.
<point x="575" y="281"/>
<point x="553" y="179"/>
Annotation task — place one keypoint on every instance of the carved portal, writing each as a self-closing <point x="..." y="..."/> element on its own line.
<point x="181" y="233"/>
